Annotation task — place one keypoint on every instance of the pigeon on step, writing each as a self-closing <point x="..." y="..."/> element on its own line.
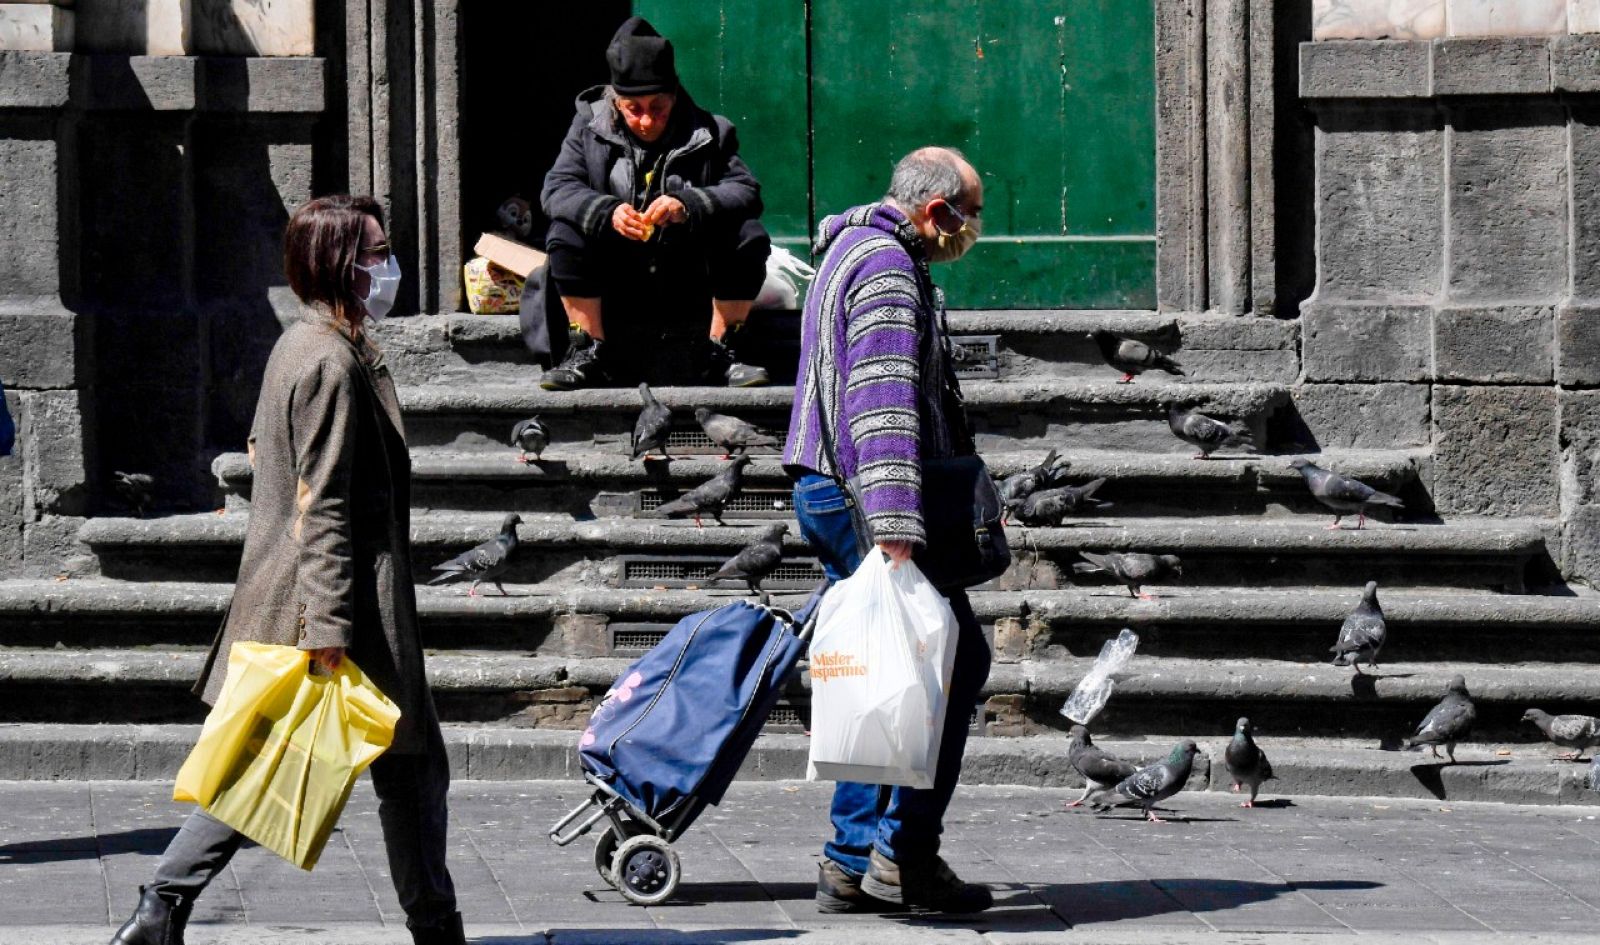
<point x="1132" y="357"/>
<point x="1101" y="769"/>
<point x="1341" y="493"/>
<point x="731" y="433"/>
<point x="756" y="560"/>
<point x="1576" y="732"/>
<point x="1207" y="433"/>
<point x="1050" y="506"/>
<point x="710" y="496"/>
<point x="1247" y="763"/>
<point x="1448" y="722"/>
<point x="650" y="431"/>
<point x="1019" y="485"/>
<point x="1151" y="785"/>
<point x="1132" y="569"/>
<point x="530" y="436"/>
<point x="135" y="489"/>
<point x="1363" y="632"/>
<point x="484" y="562"/>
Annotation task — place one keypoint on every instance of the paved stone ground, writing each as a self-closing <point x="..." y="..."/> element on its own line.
<point x="1302" y="869"/>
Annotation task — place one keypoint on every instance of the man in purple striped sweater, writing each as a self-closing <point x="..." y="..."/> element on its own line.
<point x="877" y="395"/>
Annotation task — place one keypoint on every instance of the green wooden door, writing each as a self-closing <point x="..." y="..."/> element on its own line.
<point x="1052" y="100"/>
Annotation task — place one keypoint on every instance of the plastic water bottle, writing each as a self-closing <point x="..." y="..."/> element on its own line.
<point x="1094" y="689"/>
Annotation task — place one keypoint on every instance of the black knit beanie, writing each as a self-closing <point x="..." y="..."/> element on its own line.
<point x="641" y="60"/>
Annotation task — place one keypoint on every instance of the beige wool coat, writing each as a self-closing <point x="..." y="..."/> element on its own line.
<point x="327" y="555"/>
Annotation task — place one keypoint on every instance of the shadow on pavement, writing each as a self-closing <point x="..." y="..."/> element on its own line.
<point x="1431" y="775"/>
<point x="1083" y="903"/>
<point x="643" y="937"/>
<point x="144" y="840"/>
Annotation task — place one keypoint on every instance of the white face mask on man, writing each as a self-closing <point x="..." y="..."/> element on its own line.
<point x="384" y="279"/>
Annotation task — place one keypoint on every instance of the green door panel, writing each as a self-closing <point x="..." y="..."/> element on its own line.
<point x="746" y="59"/>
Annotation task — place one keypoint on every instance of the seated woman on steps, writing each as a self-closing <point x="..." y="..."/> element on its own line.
<point x="327" y="563"/>
<point x="654" y="218"/>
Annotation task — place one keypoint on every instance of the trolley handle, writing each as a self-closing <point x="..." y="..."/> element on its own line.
<point x="597" y="808"/>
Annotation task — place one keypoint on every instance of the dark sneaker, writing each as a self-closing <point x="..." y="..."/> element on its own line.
<point x="724" y="366"/>
<point x="934" y="887"/>
<point x="839" y="891"/>
<point x="581" y="367"/>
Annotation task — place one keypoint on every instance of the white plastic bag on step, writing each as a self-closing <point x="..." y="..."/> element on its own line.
<point x="1094" y="689"/>
<point x="786" y="273"/>
<point x="881" y="658"/>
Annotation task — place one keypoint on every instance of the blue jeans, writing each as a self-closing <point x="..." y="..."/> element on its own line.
<point x="904" y="823"/>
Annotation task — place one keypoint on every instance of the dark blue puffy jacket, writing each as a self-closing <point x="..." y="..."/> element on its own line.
<point x="8" y="430"/>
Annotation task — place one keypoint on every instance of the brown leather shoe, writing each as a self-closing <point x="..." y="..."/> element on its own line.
<point x="932" y="886"/>
<point x="838" y="891"/>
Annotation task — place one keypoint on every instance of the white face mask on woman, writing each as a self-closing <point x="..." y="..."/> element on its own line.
<point x="385" y="285"/>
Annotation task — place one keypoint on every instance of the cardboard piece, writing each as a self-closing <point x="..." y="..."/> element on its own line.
<point x="519" y="258"/>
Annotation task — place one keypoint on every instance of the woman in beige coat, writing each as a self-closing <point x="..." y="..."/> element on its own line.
<point x="327" y="562"/>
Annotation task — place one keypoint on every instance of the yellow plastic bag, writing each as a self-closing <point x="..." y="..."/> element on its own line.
<point x="282" y="748"/>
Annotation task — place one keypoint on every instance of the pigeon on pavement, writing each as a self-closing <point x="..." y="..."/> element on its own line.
<point x="650" y="431"/>
<point x="530" y="436"/>
<point x="1247" y="763"/>
<point x="1132" y="569"/>
<point x="1050" y="506"/>
<point x="757" y="559"/>
<point x="731" y="433"/>
<point x="1206" y="433"/>
<point x="710" y="496"/>
<point x="1341" y="493"/>
<point x="135" y="489"/>
<point x="1150" y="785"/>
<point x="1132" y="357"/>
<point x="484" y="562"/>
<point x="1101" y="769"/>
<point x="1577" y="732"/>
<point x="1448" y="722"/>
<point x="1363" y="632"/>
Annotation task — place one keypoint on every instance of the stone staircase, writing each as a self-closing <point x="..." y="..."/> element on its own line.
<point x="96" y="667"/>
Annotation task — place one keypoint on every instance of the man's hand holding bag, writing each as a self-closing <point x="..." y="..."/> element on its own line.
<point x="881" y="658"/>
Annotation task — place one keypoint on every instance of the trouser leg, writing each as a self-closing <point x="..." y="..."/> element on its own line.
<point x="413" y="809"/>
<point x="200" y="851"/>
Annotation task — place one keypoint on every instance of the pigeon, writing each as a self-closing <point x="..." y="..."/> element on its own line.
<point x="757" y="559"/>
<point x="710" y="496"/>
<point x="1132" y="357"/>
<point x="530" y="436"/>
<point x="1101" y="769"/>
<point x="1363" y="632"/>
<point x="135" y="489"/>
<point x="1341" y="493"/>
<point x="1210" y="435"/>
<point x="1446" y="723"/>
<point x="1019" y="485"/>
<point x="1132" y="569"/>
<point x="1050" y="506"/>
<point x="1150" y="785"/>
<point x="1569" y="731"/>
<point x="1247" y="763"/>
<point x="484" y="562"/>
<point x="650" y="431"/>
<point x="731" y="433"/>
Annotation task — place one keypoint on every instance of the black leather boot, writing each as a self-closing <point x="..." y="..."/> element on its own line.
<point x="447" y="931"/>
<point x="159" y="920"/>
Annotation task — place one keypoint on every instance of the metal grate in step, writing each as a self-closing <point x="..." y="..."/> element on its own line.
<point x="788" y="719"/>
<point x="632" y="639"/>
<point x="977" y="357"/>
<point x="664" y="571"/>
<point x="692" y="441"/>
<point x="751" y="503"/>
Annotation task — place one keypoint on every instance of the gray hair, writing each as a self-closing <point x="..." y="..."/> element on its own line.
<point x="926" y="174"/>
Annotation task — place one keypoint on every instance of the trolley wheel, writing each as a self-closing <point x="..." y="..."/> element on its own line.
<point x="605" y="850"/>
<point x="647" y="870"/>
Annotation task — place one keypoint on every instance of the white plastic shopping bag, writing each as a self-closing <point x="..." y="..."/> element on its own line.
<point x="881" y="658"/>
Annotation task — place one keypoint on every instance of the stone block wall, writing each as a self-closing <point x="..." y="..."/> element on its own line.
<point x="1457" y="228"/>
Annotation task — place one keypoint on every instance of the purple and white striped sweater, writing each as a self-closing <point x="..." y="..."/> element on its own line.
<point x="873" y="368"/>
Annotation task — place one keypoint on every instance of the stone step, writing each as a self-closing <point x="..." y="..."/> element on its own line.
<point x="1519" y="772"/>
<point x="1040" y="625"/>
<point x="1492" y="554"/>
<point x="1048" y="343"/>
<point x="1155" y="694"/>
<point x="608" y="484"/>
<point x="476" y="411"/>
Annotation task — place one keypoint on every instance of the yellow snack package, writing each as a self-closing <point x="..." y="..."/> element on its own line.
<point x="490" y="288"/>
<point x="282" y="748"/>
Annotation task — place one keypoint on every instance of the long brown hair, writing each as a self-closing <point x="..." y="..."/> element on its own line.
<point x="320" y="249"/>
